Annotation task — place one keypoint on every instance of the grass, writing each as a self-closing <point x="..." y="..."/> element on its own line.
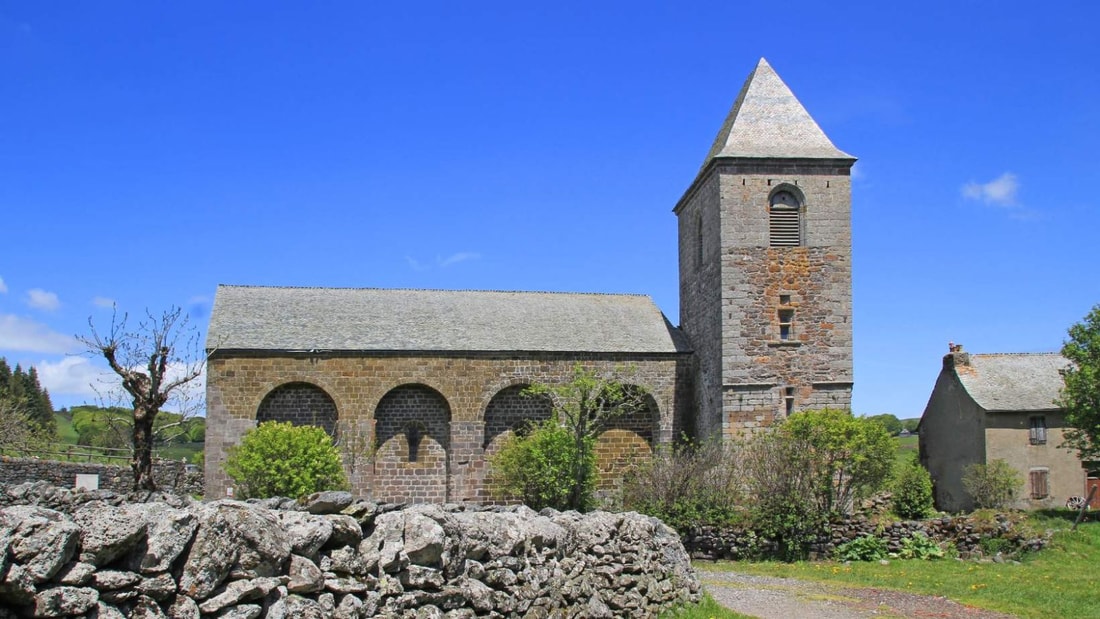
<point x="705" y="609"/>
<point x="906" y="447"/>
<point x="1060" y="581"/>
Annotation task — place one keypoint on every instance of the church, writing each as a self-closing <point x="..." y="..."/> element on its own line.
<point x="420" y="386"/>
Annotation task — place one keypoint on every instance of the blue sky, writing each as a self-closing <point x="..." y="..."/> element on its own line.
<point x="151" y="150"/>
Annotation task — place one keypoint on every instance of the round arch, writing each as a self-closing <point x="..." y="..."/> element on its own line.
<point x="627" y="437"/>
<point x="300" y="403"/>
<point x="412" y="442"/>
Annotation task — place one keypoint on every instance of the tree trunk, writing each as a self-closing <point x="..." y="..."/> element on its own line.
<point x="142" y="463"/>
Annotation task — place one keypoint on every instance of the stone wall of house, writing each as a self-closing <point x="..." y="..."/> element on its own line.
<point x="451" y="435"/>
<point x="174" y="476"/>
<point x="329" y="557"/>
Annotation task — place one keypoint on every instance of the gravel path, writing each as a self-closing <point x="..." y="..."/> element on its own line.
<point x="768" y="597"/>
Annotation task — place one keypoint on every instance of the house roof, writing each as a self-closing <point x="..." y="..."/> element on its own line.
<point x="767" y="120"/>
<point x="373" y="319"/>
<point x="1013" y="381"/>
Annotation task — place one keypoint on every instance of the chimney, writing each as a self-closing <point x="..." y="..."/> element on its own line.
<point x="956" y="357"/>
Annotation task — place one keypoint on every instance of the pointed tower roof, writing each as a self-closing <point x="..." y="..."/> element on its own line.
<point x="767" y="120"/>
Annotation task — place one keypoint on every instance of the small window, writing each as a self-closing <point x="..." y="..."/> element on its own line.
<point x="784" y="299"/>
<point x="786" y="324"/>
<point x="784" y="220"/>
<point x="1040" y="483"/>
<point x="788" y="400"/>
<point x="1038" y="432"/>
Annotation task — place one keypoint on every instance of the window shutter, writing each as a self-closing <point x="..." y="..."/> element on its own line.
<point x="784" y="227"/>
<point x="1039" y="484"/>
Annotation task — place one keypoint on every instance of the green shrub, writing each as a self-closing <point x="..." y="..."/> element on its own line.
<point x="866" y="548"/>
<point x="538" y="468"/>
<point x="920" y="546"/>
<point x="281" y="459"/>
<point x="993" y="485"/>
<point x="690" y="485"/>
<point x="912" y="489"/>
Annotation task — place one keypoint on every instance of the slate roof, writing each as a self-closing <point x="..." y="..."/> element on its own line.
<point x="1013" y="382"/>
<point x="373" y="319"/>
<point x="767" y="120"/>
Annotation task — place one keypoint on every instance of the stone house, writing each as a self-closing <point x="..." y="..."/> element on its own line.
<point x="999" y="406"/>
<point x="419" y="386"/>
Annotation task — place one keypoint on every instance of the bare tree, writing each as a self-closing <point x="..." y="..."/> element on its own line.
<point x="156" y="362"/>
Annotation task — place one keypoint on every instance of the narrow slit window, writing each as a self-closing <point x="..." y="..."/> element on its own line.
<point x="784" y="220"/>
<point x="1038" y="432"/>
<point x="786" y="324"/>
<point x="788" y="400"/>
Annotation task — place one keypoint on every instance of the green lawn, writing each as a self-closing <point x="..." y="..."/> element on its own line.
<point x="907" y="447"/>
<point x="1060" y="581"/>
<point x="66" y="437"/>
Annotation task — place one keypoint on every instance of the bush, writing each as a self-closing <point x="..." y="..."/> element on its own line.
<point x="912" y="489"/>
<point x="538" y="468"/>
<point x="993" y="485"/>
<point x="281" y="459"/>
<point x="690" y="485"/>
<point x="866" y="548"/>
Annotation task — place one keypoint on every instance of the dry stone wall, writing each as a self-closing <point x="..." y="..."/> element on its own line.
<point x="174" y="476"/>
<point x="94" y="555"/>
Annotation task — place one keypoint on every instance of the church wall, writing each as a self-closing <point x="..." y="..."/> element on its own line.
<point x="812" y="366"/>
<point x="237" y="384"/>
<point x="698" y="219"/>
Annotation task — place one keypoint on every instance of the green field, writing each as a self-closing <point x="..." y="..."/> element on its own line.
<point x="66" y="447"/>
<point x="1059" y="581"/>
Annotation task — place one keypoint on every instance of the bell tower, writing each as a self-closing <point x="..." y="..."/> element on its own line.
<point x="765" y="243"/>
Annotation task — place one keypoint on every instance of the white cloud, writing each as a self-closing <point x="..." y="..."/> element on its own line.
<point x="75" y="376"/>
<point x="104" y="302"/>
<point x="3" y="286"/>
<point x="1000" y="191"/>
<point x="22" y="334"/>
<point x="43" y="300"/>
<point x="461" y="256"/>
<point x="78" y="377"/>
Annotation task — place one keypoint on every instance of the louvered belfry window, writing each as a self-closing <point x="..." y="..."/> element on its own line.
<point x="784" y="224"/>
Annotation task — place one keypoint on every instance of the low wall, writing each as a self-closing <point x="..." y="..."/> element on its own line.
<point x="169" y="475"/>
<point x="964" y="532"/>
<point x="329" y="557"/>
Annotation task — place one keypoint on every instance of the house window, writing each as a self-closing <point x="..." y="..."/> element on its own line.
<point x="1038" y="433"/>
<point x="784" y="220"/>
<point x="1040" y="483"/>
<point x="786" y="324"/>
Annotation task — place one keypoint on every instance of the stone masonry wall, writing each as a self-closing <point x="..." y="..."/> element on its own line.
<point x="301" y="404"/>
<point x="330" y="557"/>
<point x="169" y="475"/>
<point x="761" y="368"/>
<point x="237" y="384"/>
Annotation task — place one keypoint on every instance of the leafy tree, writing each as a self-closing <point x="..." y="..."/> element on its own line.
<point x="537" y="466"/>
<point x="779" y="474"/>
<point x="912" y="490"/>
<point x="888" y="421"/>
<point x="849" y="457"/>
<point x="1080" y="397"/>
<point x="583" y="406"/>
<point x="993" y="485"/>
<point x="113" y="426"/>
<point x="155" y="362"/>
<point x="910" y="424"/>
<point x="281" y="459"/>
<point x="17" y="429"/>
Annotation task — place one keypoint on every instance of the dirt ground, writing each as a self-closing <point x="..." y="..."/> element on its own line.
<point x="768" y="597"/>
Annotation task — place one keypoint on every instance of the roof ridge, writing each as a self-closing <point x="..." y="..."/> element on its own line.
<point x="1015" y="354"/>
<point x="481" y="290"/>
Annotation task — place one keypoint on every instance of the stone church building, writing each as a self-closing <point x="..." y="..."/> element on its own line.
<point x="418" y="386"/>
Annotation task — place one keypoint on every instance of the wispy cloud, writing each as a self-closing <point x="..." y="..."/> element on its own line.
<point x="81" y="377"/>
<point x="43" y="300"/>
<point x="1000" y="191"/>
<point x="104" y="302"/>
<point x="461" y="256"/>
<point x="18" y="333"/>
<point x="3" y="286"/>
<point x="442" y="262"/>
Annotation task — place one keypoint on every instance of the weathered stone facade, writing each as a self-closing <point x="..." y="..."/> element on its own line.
<point x="455" y="407"/>
<point x="767" y="309"/>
